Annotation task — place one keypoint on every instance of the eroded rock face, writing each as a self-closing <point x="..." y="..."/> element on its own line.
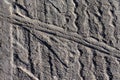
<point x="59" y="40"/>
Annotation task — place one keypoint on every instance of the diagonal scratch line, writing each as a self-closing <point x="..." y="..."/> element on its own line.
<point x="55" y="6"/>
<point x="33" y="25"/>
<point x="27" y="72"/>
<point x="49" y="46"/>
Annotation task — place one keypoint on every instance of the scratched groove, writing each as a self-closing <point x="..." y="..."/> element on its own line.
<point x="28" y="24"/>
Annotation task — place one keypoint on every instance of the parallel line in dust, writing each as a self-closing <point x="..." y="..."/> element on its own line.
<point x="27" y="72"/>
<point x="33" y="25"/>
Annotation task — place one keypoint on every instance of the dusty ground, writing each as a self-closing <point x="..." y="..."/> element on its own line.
<point x="59" y="40"/>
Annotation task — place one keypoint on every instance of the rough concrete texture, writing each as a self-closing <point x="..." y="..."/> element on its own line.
<point x="59" y="40"/>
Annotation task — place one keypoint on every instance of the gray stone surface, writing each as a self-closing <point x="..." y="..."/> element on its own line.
<point x="59" y="40"/>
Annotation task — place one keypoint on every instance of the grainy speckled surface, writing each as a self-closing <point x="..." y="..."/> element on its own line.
<point x="59" y="40"/>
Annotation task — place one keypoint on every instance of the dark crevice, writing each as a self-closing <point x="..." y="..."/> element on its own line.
<point x="108" y="68"/>
<point x="15" y="5"/>
<point x="99" y="10"/>
<point x="77" y="16"/>
<point x="55" y="6"/>
<point x="82" y="69"/>
<point x="87" y="2"/>
<point x="30" y="52"/>
<point x="94" y="63"/>
<point x="17" y="58"/>
<point x="82" y="65"/>
<point x="39" y="77"/>
<point x="50" y="48"/>
<point x="80" y="50"/>
<point x="51" y="65"/>
<point x="0" y="43"/>
<point x="76" y="3"/>
<point x="95" y="38"/>
<point x="103" y="31"/>
<point x="45" y="11"/>
<point x="67" y="20"/>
